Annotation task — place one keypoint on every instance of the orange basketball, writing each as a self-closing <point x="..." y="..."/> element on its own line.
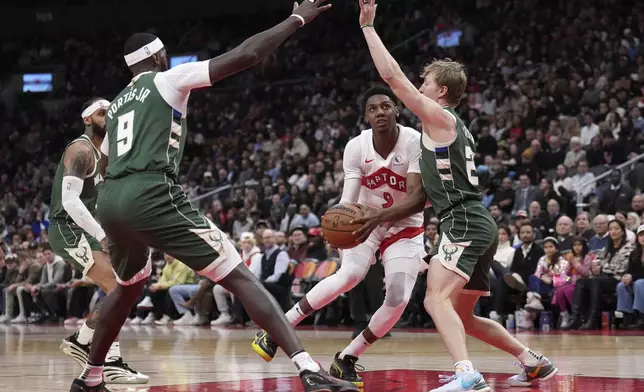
<point x="337" y="227"/>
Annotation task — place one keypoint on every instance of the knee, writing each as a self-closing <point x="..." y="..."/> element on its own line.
<point x="174" y="290"/>
<point x="621" y="288"/>
<point x="399" y="289"/>
<point x="639" y="285"/>
<point x="351" y="274"/>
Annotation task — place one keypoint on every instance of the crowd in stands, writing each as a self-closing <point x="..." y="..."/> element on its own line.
<point x="555" y="99"/>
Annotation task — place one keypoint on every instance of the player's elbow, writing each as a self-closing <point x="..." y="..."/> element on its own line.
<point x="247" y="55"/>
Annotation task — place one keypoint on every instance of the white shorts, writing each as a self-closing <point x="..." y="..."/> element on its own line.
<point x="406" y="243"/>
<point x="225" y="263"/>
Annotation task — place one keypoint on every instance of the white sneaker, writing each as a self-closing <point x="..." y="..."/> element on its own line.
<point x="165" y="320"/>
<point x="146" y="303"/>
<point x="149" y="320"/>
<point x="118" y="372"/>
<point x="5" y="319"/>
<point x="565" y="320"/>
<point x="199" y="320"/>
<point x="494" y="316"/>
<point x="21" y="319"/>
<point x="463" y="382"/>
<point x="136" y="321"/>
<point x="223" y="319"/>
<point x="534" y="302"/>
<point x="186" y="319"/>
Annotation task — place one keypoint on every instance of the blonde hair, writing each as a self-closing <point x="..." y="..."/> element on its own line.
<point x="450" y="74"/>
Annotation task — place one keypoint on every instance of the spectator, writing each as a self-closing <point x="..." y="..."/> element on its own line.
<point x="280" y="240"/>
<point x="633" y="221"/>
<point x="504" y="197"/>
<point x="525" y="260"/>
<point x="501" y="265"/>
<point x="497" y="214"/>
<point x="630" y="235"/>
<point x="552" y="272"/>
<point x="431" y="238"/>
<point x="45" y="293"/>
<point x="156" y="295"/>
<point x="242" y="224"/>
<point x="615" y="196"/>
<point x="600" y="239"/>
<point x="252" y="257"/>
<point x="305" y="218"/>
<point x="554" y="212"/>
<point x="630" y="291"/>
<point x="28" y="275"/>
<point x="316" y="248"/>
<point x="575" y="154"/>
<point x="524" y="195"/>
<point x="637" y="205"/>
<point x="274" y="266"/>
<point x="555" y="154"/>
<point x="582" y="226"/>
<point x="589" y="131"/>
<point x="286" y="222"/>
<point x="564" y="232"/>
<point x="10" y="274"/>
<point x="607" y="271"/>
<point x="583" y="182"/>
<point x="580" y="268"/>
<point x="299" y="244"/>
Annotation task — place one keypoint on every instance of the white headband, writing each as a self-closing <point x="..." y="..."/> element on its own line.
<point x="100" y="104"/>
<point x="143" y="52"/>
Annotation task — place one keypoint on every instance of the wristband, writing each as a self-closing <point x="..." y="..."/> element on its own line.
<point x="300" y="18"/>
<point x="366" y="25"/>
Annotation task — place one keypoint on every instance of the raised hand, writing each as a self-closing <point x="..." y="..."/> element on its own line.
<point x="367" y="12"/>
<point x="310" y="9"/>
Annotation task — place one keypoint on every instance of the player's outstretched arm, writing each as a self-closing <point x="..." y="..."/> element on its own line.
<point x="79" y="161"/>
<point x="414" y="203"/>
<point x="260" y="46"/>
<point x="426" y="109"/>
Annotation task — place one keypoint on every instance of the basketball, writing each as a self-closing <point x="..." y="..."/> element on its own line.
<point x="337" y="227"/>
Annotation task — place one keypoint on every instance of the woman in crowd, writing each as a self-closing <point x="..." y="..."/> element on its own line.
<point x="633" y="221"/>
<point x="630" y="291"/>
<point x="580" y="268"/>
<point x="630" y="234"/>
<point x="501" y="266"/>
<point x="607" y="271"/>
<point x="553" y="271"/>
<point x="252" y="257"/>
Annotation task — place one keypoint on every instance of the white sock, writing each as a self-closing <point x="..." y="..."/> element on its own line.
<point x="464" y="366"/>
<point x="114" y="353"/>
<point x="85" y="334"/>
<point x="303" y="361"/>
<point x="295" y="315"/>
<point x="529" y="357"/>
<point x="356" y="347"/>
<point x="92" y="375"/>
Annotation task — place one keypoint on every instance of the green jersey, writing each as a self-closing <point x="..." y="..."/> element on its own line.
<point x="90" y="186"/>
<point x="448" y="172"/>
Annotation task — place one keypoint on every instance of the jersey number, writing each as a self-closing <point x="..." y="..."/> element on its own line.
<point x="470" y="166"/>
<point x="389" y="200"/>
<point x="124" y="133"/>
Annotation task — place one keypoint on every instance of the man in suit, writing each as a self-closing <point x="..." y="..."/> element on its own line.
<point x="524" y="195"/>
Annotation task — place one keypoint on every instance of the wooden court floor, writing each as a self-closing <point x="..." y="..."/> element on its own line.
<point x="192" y="359"/>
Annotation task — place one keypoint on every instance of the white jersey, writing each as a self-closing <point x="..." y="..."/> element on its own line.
<point x="384" y="179"/>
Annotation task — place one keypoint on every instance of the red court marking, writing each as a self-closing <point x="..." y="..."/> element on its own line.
<point x="416" y="380"/>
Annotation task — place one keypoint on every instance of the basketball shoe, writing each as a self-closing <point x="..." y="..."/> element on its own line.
<point x="543" y="371"/>
<point x="321" y="381"/>
<point x="345" y="369"/>
<point x="79" y="386"/>
<point x="115" y="372"/>
<point x="264" y="346"/>
<point x="463" y="382"/>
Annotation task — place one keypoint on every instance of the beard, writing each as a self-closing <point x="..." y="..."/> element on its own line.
<point x="99" y="130"/>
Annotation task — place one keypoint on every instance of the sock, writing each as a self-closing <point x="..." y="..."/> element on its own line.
<point x="464" y="366"/>
<point x="114" y="353"/>
<point x="295" y="315"/>
<point x="92" y="374"/>
<point x="303" y="361"/>
<point x="529" y="357"/>
<point x="85" y="334"/>
<point x="356" y="347"/>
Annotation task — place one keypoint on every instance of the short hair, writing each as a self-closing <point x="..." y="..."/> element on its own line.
<point x="526" y="224"/>
<point x="378" y="90"/>
<point x="450" y="74"/>
<point x="45" y="246"/>
<point x="89" y="102"/>
<point x="137" y="41"/>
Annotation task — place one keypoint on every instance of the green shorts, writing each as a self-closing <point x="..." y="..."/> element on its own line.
<point x="468" y="242"/>
<point x="146" y="210"/>
<point x="73" y="244"/>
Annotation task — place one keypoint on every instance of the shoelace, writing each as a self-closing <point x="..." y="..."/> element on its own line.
<point x="444" y="378"/>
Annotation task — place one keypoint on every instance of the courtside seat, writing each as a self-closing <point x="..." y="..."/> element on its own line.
<point x="302" y="274"/>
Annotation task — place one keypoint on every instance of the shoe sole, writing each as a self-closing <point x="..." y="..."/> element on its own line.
<point x="75" y="353"/>
<point x="265" y="356"/>
<point x="536" y="380"/>
<point x="122" y="378"/>
<point x="515" y="284"/>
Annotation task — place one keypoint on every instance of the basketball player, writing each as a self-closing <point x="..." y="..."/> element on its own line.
<point x="380" y="169"/>
<point x="75" y="235"/>
<point x="142" y="206"/>
<point x="458" y="274"/>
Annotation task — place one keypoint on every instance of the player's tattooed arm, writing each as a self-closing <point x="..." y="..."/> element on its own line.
<point x="260" y="46"/>
<point x="78" y="160"/>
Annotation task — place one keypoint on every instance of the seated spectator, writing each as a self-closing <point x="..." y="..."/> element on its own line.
<point x="316" y="248"/>
<point x="242" y="223"/>
<point x="28" y="275"/>
<point x="11" y="272"/>
<point x="79" y="292"/>
<point x="582" y="183"/>
<point x="280" y="240"/>
<point x="524" y="194"/>
<point x="600" y="239"/>
<point x="630" y="291"/>
<point x="501" y="264"/>
<point x="497" y="214"/>
<point x="633" y="221"/>
<point x="615" y="196"/>
<point x="285" y="224"/>
<point x="554" y="212"/>
<point x="552" y="272"/>
<point x="45" y="293"/>
<point x="431" y="238"/>
<point x="575" y="154"/>
<point x="156" y="295"/>
<point x="630" y="235"/>
<point x="579" y="260"/>
<point x="273" y="271"/>
<point x="299" y="244"/>
<point x="582" y="226"/>
<point x="504" y="197"/>
<point x="607" y="271"/>
<point x="252" y="257"/>
<point x="564" y="235"/>
<point x="304" y="219"/>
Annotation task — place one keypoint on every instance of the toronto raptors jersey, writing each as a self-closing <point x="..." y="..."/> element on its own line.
<point x="384" y="179"/>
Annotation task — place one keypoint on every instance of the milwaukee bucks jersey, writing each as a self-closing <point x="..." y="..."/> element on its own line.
<point x="144" y="133"/>
<point x="88" y="195"/>
<point x="448" y="172"/>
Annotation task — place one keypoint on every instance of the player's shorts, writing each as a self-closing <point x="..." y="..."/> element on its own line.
<point x="400" y="252"/>
<point x="73" y="244"/>
<point x="145" y="210"/>
<point x="468" y="242"/>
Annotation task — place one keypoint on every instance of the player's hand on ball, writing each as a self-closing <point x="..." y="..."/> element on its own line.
<point x="310" y="9"/>
<point x="367" y="11"/>
<point x="369" y="222"/>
